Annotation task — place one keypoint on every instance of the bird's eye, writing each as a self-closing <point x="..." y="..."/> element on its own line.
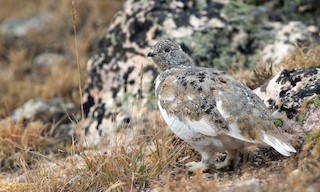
<point x="167" y="50"/>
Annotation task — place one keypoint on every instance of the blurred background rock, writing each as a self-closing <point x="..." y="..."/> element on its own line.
<point x="37" y="52"/>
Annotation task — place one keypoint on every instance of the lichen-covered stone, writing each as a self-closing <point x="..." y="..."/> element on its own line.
<point x="46" y="111"/>
<point x="52" y="113"/>
<point x="214" y="33"/>
<point x="295" y="95"/>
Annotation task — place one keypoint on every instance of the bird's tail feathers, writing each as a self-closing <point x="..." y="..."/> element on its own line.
<point x="278" y="144"/>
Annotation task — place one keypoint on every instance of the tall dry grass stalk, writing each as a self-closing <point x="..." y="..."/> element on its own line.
<point x="74" y="27"/>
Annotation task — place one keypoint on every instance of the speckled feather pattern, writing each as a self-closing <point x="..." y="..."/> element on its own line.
<point x="209" y="109"/>
<point x="191" y="93"/>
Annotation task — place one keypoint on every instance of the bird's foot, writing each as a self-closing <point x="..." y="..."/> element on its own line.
<point x="193" y="166"/>
<point x="231" y="160"/>
<point x="222" y="165"/>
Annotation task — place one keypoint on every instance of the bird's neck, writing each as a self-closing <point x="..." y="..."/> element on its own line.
<point x="181" y="62"/>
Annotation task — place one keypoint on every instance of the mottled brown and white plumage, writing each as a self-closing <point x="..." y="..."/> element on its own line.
<point x="210" y="110"/>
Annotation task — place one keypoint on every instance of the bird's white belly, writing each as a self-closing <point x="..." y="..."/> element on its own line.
<point x="180" y="128"/>
<point x="184" y="131"/>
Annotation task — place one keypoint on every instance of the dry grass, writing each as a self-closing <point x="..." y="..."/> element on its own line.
<point x="183" y="183"/>
<point x="13" y="187"/>
<point x="18" y="142"/>
<point x="260" y="75"/>
<point x="135" y="167"/>
<point x="253" y="77"/>
<point x="303" y="57"/>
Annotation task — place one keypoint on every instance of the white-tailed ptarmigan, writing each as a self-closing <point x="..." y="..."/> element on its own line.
<point x="210" y="110"/>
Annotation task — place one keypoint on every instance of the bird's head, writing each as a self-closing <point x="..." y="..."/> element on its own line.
<point x="167" y="54"/>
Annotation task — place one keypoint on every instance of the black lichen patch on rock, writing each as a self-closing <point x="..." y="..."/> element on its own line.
<point x="292" y="97"/>
<point x="139" y="30"/>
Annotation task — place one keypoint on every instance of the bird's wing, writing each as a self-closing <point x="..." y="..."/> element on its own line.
<point x="205" y="101"/>
<point x="185" y="95"/>
<point x="248" y="118"/>
<point x="211" y="103"/>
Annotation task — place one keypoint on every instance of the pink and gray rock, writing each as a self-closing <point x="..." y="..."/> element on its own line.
<point x="214" y="33"/>
<point x="295" y="95"/>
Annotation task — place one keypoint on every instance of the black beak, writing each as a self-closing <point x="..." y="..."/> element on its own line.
<point x="150" y="54"/>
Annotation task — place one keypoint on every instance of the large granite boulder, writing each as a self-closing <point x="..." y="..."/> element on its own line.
<point x="219" y="34"/>
<point x="294" y="95"/>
